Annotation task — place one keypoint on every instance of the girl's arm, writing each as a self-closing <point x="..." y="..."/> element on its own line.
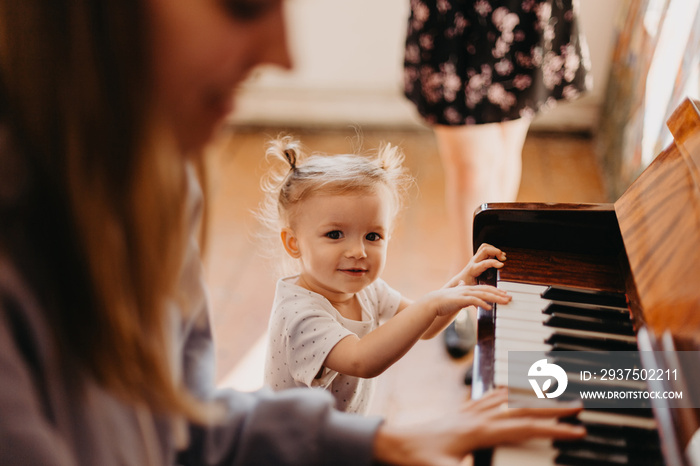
<point x="372" y="354"/>
<point x="439" y="323"/>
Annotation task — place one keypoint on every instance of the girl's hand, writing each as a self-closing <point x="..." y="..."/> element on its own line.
<point x="486" y="257"/>
<point x="447" y="301"/>
<point x="480" y="424"/>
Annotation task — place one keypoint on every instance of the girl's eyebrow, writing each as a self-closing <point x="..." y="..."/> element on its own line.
<point x="331" y="225"/>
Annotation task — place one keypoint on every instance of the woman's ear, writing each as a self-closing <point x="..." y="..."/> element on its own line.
<point x="290" y="243"/>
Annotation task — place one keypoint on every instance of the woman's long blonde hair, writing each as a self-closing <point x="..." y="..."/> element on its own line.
<point x="294" y="176"/>
<point x="103" y="208"/>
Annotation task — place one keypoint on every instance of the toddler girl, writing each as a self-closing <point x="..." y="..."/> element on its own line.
<point x="334" y="215"/>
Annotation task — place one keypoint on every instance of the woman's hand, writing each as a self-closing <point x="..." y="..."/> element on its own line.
<point x="486" y="257"/>
<point x="480" y="424"/>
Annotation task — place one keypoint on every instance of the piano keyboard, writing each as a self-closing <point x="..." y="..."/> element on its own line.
<point x="554" y="319"/>
<point x="531" y="322"/>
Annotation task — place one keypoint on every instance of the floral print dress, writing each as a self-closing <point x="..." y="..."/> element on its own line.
<point x="475" y="62"/>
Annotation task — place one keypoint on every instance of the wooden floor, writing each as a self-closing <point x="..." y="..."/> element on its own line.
<point x="426" y="383"/>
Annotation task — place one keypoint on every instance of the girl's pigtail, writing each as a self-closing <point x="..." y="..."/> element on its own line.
<point x="390" y="158"/>
<point x="282" y="154"/>
<point x="291" y="156"/>
<point x="282" y="149"/>
<point x="285" y="148"/>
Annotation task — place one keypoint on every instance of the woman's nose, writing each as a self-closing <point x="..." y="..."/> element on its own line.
<point x="277" y="50"/>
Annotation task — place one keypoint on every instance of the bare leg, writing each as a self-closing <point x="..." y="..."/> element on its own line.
<point x="482" y="163"/>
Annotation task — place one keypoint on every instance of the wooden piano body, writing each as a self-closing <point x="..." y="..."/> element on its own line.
<point x="646" y="245"/>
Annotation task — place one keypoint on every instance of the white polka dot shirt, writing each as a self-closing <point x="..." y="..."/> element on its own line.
<point x="304" y="327"/>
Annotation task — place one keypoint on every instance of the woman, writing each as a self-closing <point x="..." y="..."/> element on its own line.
<point x="105" y="346"/>
<point x="478" y="72"/>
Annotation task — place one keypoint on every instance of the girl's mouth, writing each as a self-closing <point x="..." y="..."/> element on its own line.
<point x="354" y="272"/>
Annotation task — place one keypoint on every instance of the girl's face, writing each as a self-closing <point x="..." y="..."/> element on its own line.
<point x="341" y="241"/>
<point x="201" y="50"/>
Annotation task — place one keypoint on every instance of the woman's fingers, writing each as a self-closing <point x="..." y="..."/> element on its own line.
<point x="490" y="401"/>
<point x="503" y="424"/>
<point x="562" y="409"/>
<point x="519" y="429"/>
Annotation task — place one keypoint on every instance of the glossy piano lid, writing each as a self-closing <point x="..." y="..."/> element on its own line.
<point x="659" y="219"/>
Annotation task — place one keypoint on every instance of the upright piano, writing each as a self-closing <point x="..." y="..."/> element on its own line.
<point x="605" y="278"/>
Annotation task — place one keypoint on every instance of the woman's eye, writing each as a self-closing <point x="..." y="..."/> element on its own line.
<point x="373" y="237"/>
<point x="335" y="234"/>
<point x="247" y="9"/>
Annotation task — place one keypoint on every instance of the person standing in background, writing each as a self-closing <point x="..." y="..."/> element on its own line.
<point x="477" y="73"/>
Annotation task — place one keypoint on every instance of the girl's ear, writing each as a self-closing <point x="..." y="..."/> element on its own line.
<point x="290" y="243"/>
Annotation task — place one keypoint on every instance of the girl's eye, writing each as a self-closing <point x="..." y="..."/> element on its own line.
<point x="373" y="237"/>
<point x="247" y="10"/>
<point x="335" y="234"/>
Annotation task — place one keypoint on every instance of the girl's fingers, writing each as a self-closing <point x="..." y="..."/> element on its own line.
<point x="486" y="250"/>
<point x="487" y="293"/>
<point x="481" y="266"/>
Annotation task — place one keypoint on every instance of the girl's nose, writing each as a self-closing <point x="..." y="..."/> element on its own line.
<point x="356" y="250"/>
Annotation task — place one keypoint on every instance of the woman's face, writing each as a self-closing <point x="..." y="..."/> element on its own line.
<point x="201" y="50"/>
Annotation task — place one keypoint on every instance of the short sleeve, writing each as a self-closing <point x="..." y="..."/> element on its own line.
<point x="385" y="299"/>
<point x="312" y="334"/>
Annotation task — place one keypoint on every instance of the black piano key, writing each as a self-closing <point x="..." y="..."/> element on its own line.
<point x="610" y="445"/>
<point x="616" y="315"/>
<point x="593" y="324"/>
<point x="593" y="360"/>
<point x="639" y="438"/>
<point x="609" y="406"/>
<point x="612" y="442"/>
<point x="587" y="455"/>
<point x="643" y="435"/>
<point x="577" y="295"/>
<point x="572" y="343"/>
<point x="636" y="439"/>
<point x="615" y="445"/>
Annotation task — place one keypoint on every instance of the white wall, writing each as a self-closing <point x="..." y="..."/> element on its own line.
<point x="348" y="68"/>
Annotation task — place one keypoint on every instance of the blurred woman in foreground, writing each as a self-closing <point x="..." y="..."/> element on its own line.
<point x="105" y="347"/>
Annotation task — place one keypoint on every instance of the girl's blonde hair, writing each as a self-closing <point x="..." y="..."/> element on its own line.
<point x="295" y="176"/>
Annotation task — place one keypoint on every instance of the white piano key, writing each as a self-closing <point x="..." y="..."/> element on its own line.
<point x="514" y="345"/>
<point x="521" y="287"/>
<point x="522" y="313"/>
<point x="520" y="322"/>
<point x="532" y="453"/>
<point x="512" y="331"/>
<point x="517" y="302"/>
<point x="527" y="298"/>
<point x="616" y="419"/>
<point x="525" y="316"/>
<point x="515" y="335"/>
